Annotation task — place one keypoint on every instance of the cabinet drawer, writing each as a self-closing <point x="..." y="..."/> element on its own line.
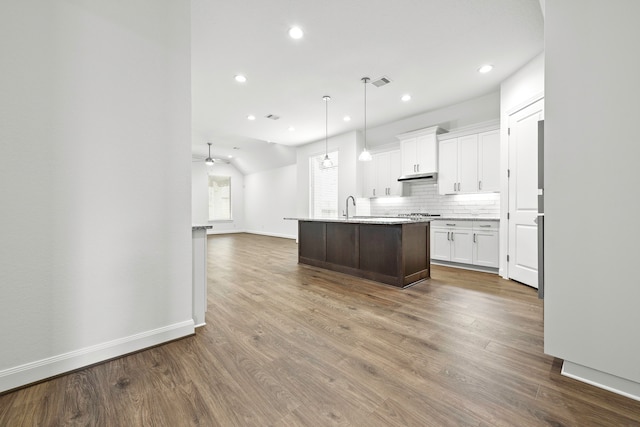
<point x="451" y="224"/>
<point x="486" y="225"/>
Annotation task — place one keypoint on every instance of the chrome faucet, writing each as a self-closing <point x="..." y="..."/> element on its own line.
<point x="346" y="212"/>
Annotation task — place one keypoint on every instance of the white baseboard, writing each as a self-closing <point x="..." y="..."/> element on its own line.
<point x="262" y="233"/>
<point x="465" y="266"/>
<point x="39" y="370"/>
<point x="212" y="231"/>
<point x="601" y="379"/>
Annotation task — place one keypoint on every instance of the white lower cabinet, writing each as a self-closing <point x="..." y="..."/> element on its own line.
<point x="465" y="242"/>
<point x="451" y="241"/>
<point x="381" y="175"/>
<point x="485" y="244"/>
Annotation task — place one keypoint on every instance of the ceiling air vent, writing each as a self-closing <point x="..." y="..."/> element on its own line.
<point x="381" y="81"/>
<point x="272" y="116"/>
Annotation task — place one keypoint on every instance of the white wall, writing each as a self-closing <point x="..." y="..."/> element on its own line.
<point x="200" y="197"/>
<point x="270" y="197"/>
<point x="476" y="110"/>
<point x="347" y="145"/>
<point x="199" y="194"/>
<point x="592" y="290"/>
<point x="95" y="253"/>
<point x="516" y="92"/>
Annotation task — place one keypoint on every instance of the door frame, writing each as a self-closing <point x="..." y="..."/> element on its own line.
<point x="504" y="184"/>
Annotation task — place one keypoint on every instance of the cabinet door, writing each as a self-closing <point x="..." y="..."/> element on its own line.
<point x="426" y="154"/>
<point x="485" y="248"/>
<point x="408" y="150"/>
<point x="468" y="164"/>
<point x="369" y="179"/>
<point x="448" y="166"/>
<point x="395" y="171"/>
<point x="462" y="245"/>
<point x="382" y="174"/>
<point x="489" y="161"/>
<point x="440" y="244"/>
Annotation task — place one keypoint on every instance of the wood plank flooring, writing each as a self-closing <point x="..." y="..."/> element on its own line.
<point x="292" y="345"/>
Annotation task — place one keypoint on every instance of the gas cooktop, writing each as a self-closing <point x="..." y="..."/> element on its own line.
<point x="418" y="215"/>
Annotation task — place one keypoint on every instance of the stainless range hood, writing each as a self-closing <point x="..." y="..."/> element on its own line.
<point x="423" y="177"/>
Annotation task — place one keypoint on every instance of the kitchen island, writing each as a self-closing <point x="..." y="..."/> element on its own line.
<point x="394" y="251"/>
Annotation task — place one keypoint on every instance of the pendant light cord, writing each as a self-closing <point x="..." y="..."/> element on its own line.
<point x="365" y="80"/>
<point x="326" y="126"/>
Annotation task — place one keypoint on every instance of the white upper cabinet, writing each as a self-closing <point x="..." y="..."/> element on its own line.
<point x="469" y="161"/>
<point x="468" y="164"/>
<point x="369" y="181"/>
<point x="489" y="161"/>
<point x="448" y="162"/>
<point x="381" y="175"/>
<point x="419" y="150"/>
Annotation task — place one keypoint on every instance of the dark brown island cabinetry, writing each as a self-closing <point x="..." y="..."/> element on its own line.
<point x="395" y="254"/>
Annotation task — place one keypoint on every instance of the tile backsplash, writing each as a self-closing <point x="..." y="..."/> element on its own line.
<point x="424" y="197"/>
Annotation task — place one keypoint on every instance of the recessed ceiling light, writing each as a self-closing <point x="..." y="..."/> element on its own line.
<point x="240" y="78"/>
<point x="230" y="156"/>
<point x="347" y="118"/>
<point x="296" y="33"/>
<point x="291" y="128"/>
<point x="251" y="117"/>
<point x="485" y="68"/>
<point x="406" y="97"/>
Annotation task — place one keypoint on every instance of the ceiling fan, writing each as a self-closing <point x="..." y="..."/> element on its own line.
<point x="211" y="160"/>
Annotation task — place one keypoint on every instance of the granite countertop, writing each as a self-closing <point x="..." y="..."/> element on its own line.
<point x="201" y="227"/>
<point x="395" y="220"/>
<point x="365" y="220"/>
<point x="467" y="218"/>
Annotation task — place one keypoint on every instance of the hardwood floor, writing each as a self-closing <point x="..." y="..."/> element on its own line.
<point x="292" y="345"/>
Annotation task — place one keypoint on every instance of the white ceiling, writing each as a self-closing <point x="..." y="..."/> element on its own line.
<point x="430" y="49"/>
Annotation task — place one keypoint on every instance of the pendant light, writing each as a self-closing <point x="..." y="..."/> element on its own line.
<point x="365" y="156"/>
<point x="326" y="163"/>
<point x="209" y="161"/>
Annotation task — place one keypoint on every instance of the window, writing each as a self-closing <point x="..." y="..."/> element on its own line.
<point x="323" y="195"/>
<point x="219" y="198"/>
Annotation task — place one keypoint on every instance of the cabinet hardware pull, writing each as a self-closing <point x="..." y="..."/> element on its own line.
<point x="452" y="236"/>
<point x="481" y="225"/>
<point x="418" y="167"/>
<point x="454" y="186"/>
<point x="479" y="185"/>
<point x="474" y="237"/>
<point x="448" y="233"/>
<point x="451" y="225"/>
<point x="374" y="191"/>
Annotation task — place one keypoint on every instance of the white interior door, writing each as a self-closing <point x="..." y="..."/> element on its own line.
<point x="523" y="194"/>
